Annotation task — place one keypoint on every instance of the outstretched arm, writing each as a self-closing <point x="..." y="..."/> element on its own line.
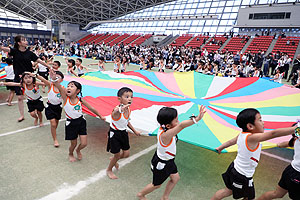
<point x="43" y="63"/>
<point x="227" y="144"/>
<point x="169" y="134"/>
<point x="138" y="133"/>
<point x="91" y="108"/>
<point x="10" y="84"/>
<point x="6" y="49"/>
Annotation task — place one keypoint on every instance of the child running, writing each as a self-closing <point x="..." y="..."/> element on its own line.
<point x="117" y="64"/>
<point x="54" y="105"/>
<point x="290" y="179"/>
<point x="81" y="69"/>
<point x="238" y="177"/>
<point x="163" y="162"/>
<point x="30" y="88"/>
<point x="75" y="124"/>
<point x="9" y="78"/>
<point x="71" y="67"/>
<point x="101" y="66"/>
<point x="117" y="135"/>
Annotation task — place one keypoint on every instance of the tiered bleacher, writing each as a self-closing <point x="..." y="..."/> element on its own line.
<point x="100" y="38"/>
<point x="197" y="41"/>
<point x="260" y="43"/>
<point x="181" y="40"/>
<point x="287" y="45"/>
<point x="130" y="39"/>
<point x="110" y="38"/>
<point x="213" y="47"/>
<point x="118" y="39"/>
<point x="235" y="44"/>
<point x="141" y="39"/>
<point x="81" y="41"/>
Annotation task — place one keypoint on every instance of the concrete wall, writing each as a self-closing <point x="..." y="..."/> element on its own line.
<point x="70" y="32"/>
<point x="244" y="21"/>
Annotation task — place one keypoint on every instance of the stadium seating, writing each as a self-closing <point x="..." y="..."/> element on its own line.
<point x="260" y="43"/>
<point x="282" y="46"/>
<point x="181" y="40"/>
<point x="197" y="41"/>
<point x="235" y="44"/>
<point x="130" y="39"/>
<point x="141" y="39"/>
<point x="213" y="47"/>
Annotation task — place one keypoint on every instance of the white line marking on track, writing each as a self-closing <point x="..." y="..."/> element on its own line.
<point x="275" y="156"/>
<point x="68" y="191"/>
<point x="25" y="129"/>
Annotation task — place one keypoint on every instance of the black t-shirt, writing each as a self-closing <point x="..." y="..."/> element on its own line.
<point x="22" y="60"/>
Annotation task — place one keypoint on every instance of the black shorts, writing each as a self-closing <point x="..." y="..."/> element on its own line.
<point x="240" y="185"/>
<point x="35" y="105"/>
<point x="117" y="140"/>
<point x="290" y="180"/>
<point x="80" y="75"/>
<point x="18" y="90"/>
<point x="12" y="88"/>
<point x="53" y="111"/>
<point x="162" y="169"/>
<point x="44" y="74"/>
<point x="75" y="127"/>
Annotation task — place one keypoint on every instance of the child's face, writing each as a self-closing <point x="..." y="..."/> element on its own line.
<point x="77" y="62"/>
<point x="173" y="123"/>
<point x="258" y="124"/>
<point x="28" y="79"/>
<point x="72" y="90"/>
<point x="55" y="66"/>
<point x="126" y="98"/>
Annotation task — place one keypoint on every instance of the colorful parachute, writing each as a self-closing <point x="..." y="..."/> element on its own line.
<point x="2" y="74"/>
<point x="223" y="97"/>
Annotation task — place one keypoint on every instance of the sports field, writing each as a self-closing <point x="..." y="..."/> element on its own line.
<point x="31" y="168"/>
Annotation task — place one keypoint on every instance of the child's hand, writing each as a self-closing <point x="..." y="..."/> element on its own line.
<point x="219" y="150"/>
<point x="103" y="118"/>
<point x="1" y="83"/>
<point x="138" y="133"/>
<point x="201" y="113"/>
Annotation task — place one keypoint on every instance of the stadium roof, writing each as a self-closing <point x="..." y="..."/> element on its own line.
<point x="77" y="11"/>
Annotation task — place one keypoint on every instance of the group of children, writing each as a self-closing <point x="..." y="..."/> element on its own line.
<point x="238" y="177"/>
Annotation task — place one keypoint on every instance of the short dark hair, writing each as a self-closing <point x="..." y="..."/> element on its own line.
<point x="123" y="90"/>
<point x="166" y="115"/>
<point x="9" y="61"/>
<point x="246" y="116"/>
<point x="72" y="62"/>
<point x="58" y="63"/>
<point x="79" y="59"/>
<point x="60" y="74"/>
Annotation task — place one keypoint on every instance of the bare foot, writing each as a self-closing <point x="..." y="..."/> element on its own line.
<point x="6" y="100"/>
<point x="9" y="104"/>
<point x="72" y="158"/>
<point x="21" y="119"/>
<point x="79" y="155"/>
<point x="111" y="175"/>
<point x="141" y="197"/>
<point x="56" y="145"/>
<point x="41" y="124"/>
<point x="116" y="165"/>
<point x="35" y="123"/>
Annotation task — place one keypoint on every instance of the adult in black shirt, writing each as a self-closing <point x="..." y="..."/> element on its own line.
<point x="22" y="58"/>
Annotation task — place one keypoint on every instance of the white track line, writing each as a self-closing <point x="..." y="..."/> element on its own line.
<point x="68" y="191"/>
<point x="277" y="157"/>
<point x="2" y="104"/>
<point x="25" y="129"/>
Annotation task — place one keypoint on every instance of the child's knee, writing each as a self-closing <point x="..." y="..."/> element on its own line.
<point x="126" y="154"/>
<point x="83" y="144"/>
<point x="176" y="178"/>
<point x="33" y="114"/>
<point x="20" y="97"/>
<point x="117" y="156"/>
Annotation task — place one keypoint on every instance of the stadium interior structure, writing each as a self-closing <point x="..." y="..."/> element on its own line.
<point x="190" y="23"/>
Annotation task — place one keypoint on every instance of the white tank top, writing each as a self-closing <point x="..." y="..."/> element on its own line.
<point x="122" y="66"/>
<point x="246" y="159"/>
<point x="296" y="161"/>
<point x="54" y="97"/>
<point x="32" y="94"/>
<point x="73" y="111"/>
<point x="165" y="152"/>
<point x="9" y="72"/>
<point x="116" y="66"/>
<point x="121" y="123"/>
<point x="80" y="71"/>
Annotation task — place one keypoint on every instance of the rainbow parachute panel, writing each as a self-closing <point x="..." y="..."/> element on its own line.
<point x="223" y="97"/>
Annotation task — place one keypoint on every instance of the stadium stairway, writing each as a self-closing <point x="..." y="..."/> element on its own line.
<point x="225" y="43"/>
<point x="271" y="47"/>
<point x="246" y="45"/>
<point x="168" y="40"/>
<point x="189" y="40"/>
<point x="207" y="40"/>
<point x="148" y="41"/>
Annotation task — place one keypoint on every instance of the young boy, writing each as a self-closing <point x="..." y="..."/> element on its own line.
<point x="290" y="179"/>
<point x="238" y="177"/>
<point x="117" y="135"/>
<point x="80" y="67"/>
